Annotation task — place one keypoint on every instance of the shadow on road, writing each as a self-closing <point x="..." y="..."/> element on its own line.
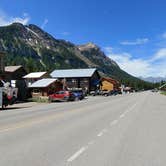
<point x="11" y="108"/>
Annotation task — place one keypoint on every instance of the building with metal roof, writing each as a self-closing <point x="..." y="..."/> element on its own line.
<point x="45" y="86"/>
<point x="12" y="68"/>
<point x="45" y="82"/>
<point x="14" y="74"/>
<point x="87" y="79"/>
<point x="35" y="75"/>
<point x="73" y="73"/>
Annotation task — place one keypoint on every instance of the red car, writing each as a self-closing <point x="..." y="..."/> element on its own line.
<point x="62" y="96"/>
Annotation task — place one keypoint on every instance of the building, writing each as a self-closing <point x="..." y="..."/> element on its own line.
<point x="13" y="75"/>
<point x="9" y="73"/>
<point x="14" y="72"/>
<point x="87" y="79"/>
<point x="109" y="84"/>
<point x="45" y="86"/>
<point x="35" y="76"/>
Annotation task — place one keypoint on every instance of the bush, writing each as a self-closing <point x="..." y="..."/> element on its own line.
<point x="163" y="92"/>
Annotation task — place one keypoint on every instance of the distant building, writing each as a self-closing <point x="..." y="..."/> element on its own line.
<point x="34" y="76"/>
<point x="45" y="86"/>
<point x="87" y="79"/>
<point x="109" y="84"/>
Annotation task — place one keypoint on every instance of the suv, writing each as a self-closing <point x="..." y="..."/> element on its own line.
<point x="79" y="94"/>
<point x="62" y="96"/>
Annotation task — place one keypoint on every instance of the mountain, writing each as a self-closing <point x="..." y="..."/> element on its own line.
<point x="103" y="62"/>
<point x="153" y="79"/>
<point x="36" y="50"/>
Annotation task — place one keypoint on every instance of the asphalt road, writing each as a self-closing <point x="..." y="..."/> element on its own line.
<point x="127" y="130"/>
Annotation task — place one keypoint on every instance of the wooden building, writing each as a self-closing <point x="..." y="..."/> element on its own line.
<point x="34" y="76"/>
<point x="13" y="75"/>
<point x="109" y="84"/>
<point x="14" y="72"/>
<point x="87" y="79"/>
<point x="9" y="73"/>
<point x="45" y="87"/>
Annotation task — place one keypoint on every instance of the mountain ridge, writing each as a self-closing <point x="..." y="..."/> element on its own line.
<point x="37" y="50"/>
<point x="153" y="79"/>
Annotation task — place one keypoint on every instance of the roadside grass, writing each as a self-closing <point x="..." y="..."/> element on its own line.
<point x="39" y="99"/>
<point x="163" y="92"/>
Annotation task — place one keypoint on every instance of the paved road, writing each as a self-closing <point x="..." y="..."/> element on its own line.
<point x="126" y="130"/>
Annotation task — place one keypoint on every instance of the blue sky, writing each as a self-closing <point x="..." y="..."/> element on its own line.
<point x="132" y="32"/>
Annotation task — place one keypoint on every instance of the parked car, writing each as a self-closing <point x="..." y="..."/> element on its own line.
<point x="62" y="96"/>
<point x="96" y="92"/>
<point x="155" y="90"/>
<point x="79" y="94"/>
<point x="105" y="92"/>
<point x="110" y="93"/>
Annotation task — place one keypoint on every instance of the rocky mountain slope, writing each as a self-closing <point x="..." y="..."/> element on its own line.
<point x="36" y="50"/>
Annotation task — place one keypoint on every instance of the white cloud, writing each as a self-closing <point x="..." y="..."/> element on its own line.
<point x="160" y="54"/>
<point x="45" y="22"/>
<point x="139" y="66"/>
<point x="136" y="42"/>
<point x="7" y="20"/>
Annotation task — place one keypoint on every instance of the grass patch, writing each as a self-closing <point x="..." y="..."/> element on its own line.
<point x="163" y="92"/>
<point x="39" y="99"/>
